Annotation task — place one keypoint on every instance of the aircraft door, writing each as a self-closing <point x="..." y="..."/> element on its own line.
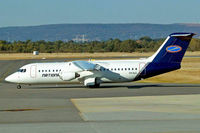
<point x="33" y="71"/>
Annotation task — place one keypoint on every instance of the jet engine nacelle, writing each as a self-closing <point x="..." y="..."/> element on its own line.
<point x="67" y="76"/>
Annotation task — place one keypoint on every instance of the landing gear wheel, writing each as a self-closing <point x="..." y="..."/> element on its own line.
<point x="19" y="87"/>
<point x="94" y="86"/>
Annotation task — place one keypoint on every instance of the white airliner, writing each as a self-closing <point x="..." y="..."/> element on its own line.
<point x="92" y="73"/>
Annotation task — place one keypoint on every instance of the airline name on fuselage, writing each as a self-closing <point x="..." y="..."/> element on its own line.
<point x="50" y="75"/>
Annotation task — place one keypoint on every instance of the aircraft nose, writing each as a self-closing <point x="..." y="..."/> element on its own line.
<point x="11" y="78"/>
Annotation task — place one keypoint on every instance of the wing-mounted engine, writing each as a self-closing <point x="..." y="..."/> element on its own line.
<point x="86" y="72"/>
<point x="67" y="76"/>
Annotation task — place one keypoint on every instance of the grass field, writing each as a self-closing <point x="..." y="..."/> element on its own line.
<point x="15" y="56"/>
<point x="189" y="73"/>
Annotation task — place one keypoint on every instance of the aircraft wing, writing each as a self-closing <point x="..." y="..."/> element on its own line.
<point x="86" y="66"/>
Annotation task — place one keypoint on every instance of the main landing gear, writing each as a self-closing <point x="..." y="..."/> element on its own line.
<point x="19" y="87"/>
<point x="94" y="86"/>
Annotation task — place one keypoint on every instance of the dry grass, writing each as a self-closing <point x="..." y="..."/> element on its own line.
<point x="16" y="56"/>
<point x="189" y="73"/>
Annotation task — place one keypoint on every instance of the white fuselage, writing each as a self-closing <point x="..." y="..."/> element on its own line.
<point x="110" y="71"/>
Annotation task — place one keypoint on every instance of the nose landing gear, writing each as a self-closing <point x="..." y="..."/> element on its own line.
<point x="19" y="87"/>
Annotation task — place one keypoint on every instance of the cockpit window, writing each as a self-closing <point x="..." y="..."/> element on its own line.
<point x="22" y="70"/>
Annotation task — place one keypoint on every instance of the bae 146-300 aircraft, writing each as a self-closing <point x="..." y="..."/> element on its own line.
<point x="92" y="73"/>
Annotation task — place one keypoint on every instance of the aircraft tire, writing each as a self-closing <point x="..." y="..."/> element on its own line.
<point x="94" y="86"/>
<point x="19" y="87"/>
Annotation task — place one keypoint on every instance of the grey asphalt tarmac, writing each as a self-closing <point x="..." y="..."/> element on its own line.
<point x="49" y="108"/>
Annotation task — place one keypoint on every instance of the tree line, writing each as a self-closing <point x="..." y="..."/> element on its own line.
<point x="144" y="44"/>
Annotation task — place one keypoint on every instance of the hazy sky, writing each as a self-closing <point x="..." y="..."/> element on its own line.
<point x="39" y="12"/>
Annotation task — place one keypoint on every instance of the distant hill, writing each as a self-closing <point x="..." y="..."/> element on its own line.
<point x="68" y="32"/>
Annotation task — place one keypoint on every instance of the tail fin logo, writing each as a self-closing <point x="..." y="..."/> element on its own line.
<point x="173" y="49"/>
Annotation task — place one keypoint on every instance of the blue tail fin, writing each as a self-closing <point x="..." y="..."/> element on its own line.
<point x="173" y="49"/>
<point x="169" y="56"/>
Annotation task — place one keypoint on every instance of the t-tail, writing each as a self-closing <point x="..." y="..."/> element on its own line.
<point x="168" y="57"/>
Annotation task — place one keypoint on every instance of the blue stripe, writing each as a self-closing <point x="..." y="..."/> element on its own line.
<point x="173" y="48"/>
